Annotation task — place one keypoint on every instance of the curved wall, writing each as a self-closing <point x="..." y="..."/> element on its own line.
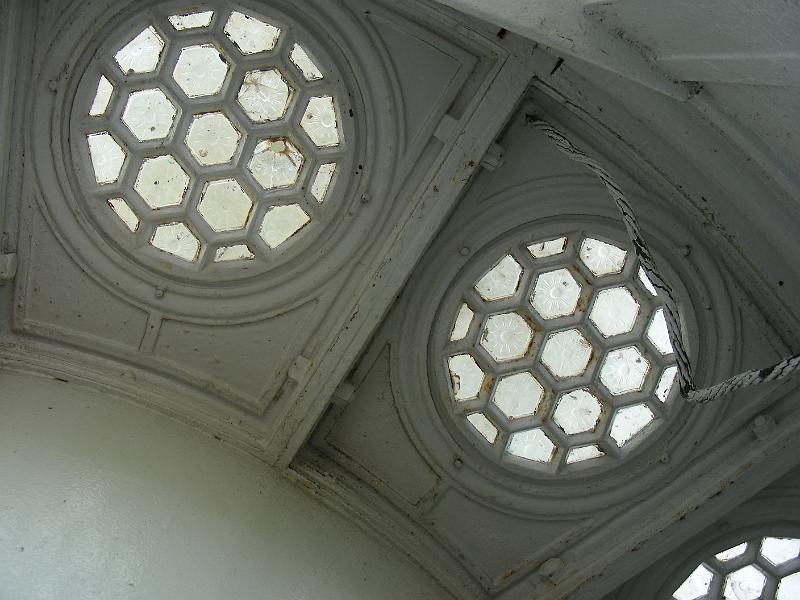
<point x="104" y="499"/>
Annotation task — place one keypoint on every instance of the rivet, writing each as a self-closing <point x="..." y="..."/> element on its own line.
<point x="458" y="463"/>
<point x="159" y="292"/>
<point x="464" y="251"/>
<point x="53" y="85"/>
<point x="550" y="567"/>
<point x="686" y="250"/>
<point x="364" y="198"/>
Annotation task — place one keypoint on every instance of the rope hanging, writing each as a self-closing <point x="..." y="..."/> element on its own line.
<point x="689" y="390"/>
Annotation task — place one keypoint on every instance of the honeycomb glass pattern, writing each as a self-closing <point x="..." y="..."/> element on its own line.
<point x="757" y="569"/>
<point x="213" y="136"/>
<point x="552" y="359"/>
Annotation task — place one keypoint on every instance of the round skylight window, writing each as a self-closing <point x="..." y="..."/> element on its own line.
<point x="763" y="568"/>
<point x="213" y="138"/>
<point x="558" y="356"/>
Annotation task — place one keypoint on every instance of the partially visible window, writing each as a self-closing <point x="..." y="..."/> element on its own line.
<point x="758" y="569"/>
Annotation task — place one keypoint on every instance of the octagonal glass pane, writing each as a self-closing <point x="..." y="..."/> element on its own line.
<point x="149" y="114"/>
<point x="566" y="353"/>
<point x="264" y="95"/>
<point x="624" y="370"/>
<point x="506" y="337"/>
<point x="630" y="421"/>
<point x="614" y="311"/>
<point x="518" y="395"/>
<point x="281" y="223"/>
<point x="577" y="411"/>
<point x="251" y="35"/>
<point x="483" y="426"/>
<point x="780" y="550"/>
<point x="500" y="281"/>
<point x="696" y="585"/>
<point x="555" y="294"/>
<point x="142" y="53"/>
<point x="744" y="584"/>
<point x="176" y="239"/>
<point x="276" y="163"/>
<point x="161" y="182"/>
<point x="532" y="444"/>
<point x="789" y="588"/>
<point x="200" y="70"/>
<point x="224" y="205"/>
<point x="658" y="334"/>
<point x="466" y="377"/>
<point x="319" y="122"/>
<point x="212" y="139"/>
<point x="602" y="258"/>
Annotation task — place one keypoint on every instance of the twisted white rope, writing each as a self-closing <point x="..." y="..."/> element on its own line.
<point x="689" y="391"/>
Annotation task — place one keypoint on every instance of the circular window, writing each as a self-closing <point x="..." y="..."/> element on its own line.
<point x="557" y="355"/>
<point x="763" y="568"/>
<point x="212" y="140"/>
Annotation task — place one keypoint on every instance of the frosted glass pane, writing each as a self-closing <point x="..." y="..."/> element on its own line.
<point x="101" y="97"/>
<point x="251" y="35"/>
<point x="648" y="285"/>
<point x="200" y="70"/>
<point x="149" y="114"/>
<point x="322" y="181"/>
<point x="506" y="337"/>
<point x="142" y="53"/>
<point x="624" y="370"/>
<point x="237" y="252"/>
<point x="548" y="248"/>
<point x="696" y="585"/>
<point x="463" y="321"/>
<point x="614" y="311"/>
<point x="744" y="584"/>
<point x="281" y="223"/>
<point x="732" y="552"/>
<point x="665" y="383"/>
<point x="780" y="550"/>
<point x="303" y="62"/>
<point x="124" y="212"/>
<point x="583" y="453"/>
<point x="602" y="258"/>
<point x="276" y="163"/>
<point x="191" y="20"/>
<point x="319" y="122"/>
<point x="500" y="281"/>
<point x="176" y="239"/>
<point x="107" y="157"/>
<point x="556" y="294"/>
<point x="224" y="205"/>
<point x="264" y="95"/>
<point x="212" y="139"/>
<point x="518" y="395"/>
<point x="789" y="588"/>
<point x="466" y="376"/>
<point x="161" y="182"/>
<point x="658" y="334"/>
<point x="577" y="411"/>
<point x="566" y="353"/>
<point x="532" y="445"/>
<point x="629" y="421"/>
<point x="483" y="426"/>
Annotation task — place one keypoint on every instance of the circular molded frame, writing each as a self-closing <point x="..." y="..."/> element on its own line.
<point x="534" y="211"/>
<point x="299" y="266"/>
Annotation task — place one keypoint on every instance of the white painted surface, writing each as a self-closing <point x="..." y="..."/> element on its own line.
<point x="103" y="499"/>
